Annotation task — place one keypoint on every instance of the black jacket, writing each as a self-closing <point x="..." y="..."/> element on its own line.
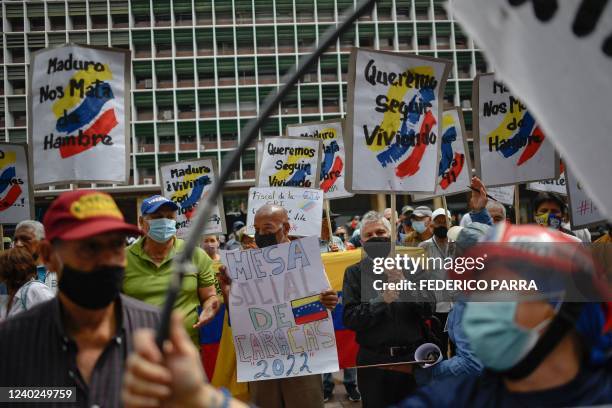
<point x="377" y="324"/>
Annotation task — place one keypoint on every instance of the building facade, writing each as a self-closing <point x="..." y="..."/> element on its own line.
<point x="201" y="68"/>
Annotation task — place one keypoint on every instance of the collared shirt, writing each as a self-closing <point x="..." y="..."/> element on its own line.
<point x="146" y="281"/>
<point x="36" y="351"/>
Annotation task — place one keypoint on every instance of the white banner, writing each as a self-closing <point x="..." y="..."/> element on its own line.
<point x="558" y="186"/>
<point x="455" y="167"/>
<point x="188" y="182"/>
<point x="16" y="195"/>
<point x="304" y="205"/>
<point x="333" y="162"/>
<point x="583" y="211"/>
<point x="394" y="111"/>
<point x="79" y="115"/>
<point x="509" y="146"/>
<point x="279" y="327"/>
<point x="558" y="56"/>
<point x="289" y="162"/>
<point x="504" y="195"/>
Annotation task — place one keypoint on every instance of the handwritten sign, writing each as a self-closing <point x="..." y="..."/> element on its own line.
<point x="509" y="146"/>
<point x="504" y="195"/>
<point x="289" y="162"/>
<point x="305" y="207"/>
<point x="15" y="188"/>
<point x="454" y="168"/>
<point x="558" y="57"/>
<point x="186" y="183"/>
<point x="79" y="117"/>
<point x="583" y="211"/>
<point x="333" y="162"/>
<point x="394" y="111"/>
<point x="279" y="327"/>
<point x="558" y="186"/>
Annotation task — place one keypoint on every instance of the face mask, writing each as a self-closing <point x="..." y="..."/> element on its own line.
<point x="494" y="336"/>
<point x="548" y="219"/>
<point x="402" y="237"/>
<point x="266" y="240"/>
<point x="377" y="247"/>
<point x="419" y="226"/>
<point x="161" y="229"/>
<point x="408" y="223"/>
<point x="91" y="290"/>
<point x="440" y="231"/>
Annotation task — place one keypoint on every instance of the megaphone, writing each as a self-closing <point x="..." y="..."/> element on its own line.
<point x="428" y="352"/>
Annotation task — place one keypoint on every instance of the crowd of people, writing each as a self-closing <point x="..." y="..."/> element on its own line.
<point x="78" y="307"/>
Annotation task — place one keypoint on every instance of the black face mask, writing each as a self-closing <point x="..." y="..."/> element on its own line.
<point x="377" y="247"/>
<point x="408" y="223"/>
<point x="92" y="290"/>
<point x="440" y="231"/>
<point x="266" y="240"/>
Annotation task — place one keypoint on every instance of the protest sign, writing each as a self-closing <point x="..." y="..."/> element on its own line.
<point x="504" y="195"/>
<point x="289" y="162"/>
<point x="509" y="146"/>
<point x="558" y="57"/>
<point x="454" y="168"/>
<point x="16" y="195"/>
<point x="186" y="183"/>
<point x="583" y="211"/>
<point x="304" y="206"/>
<point x="79" y="115"/>
<point x="394" y="110"/>
<point x="333" y="161"/>
<point x="280" y="327"/>
<point x="558" y="186"/>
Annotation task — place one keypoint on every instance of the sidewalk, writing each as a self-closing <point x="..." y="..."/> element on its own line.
<point x="339" y="400"/>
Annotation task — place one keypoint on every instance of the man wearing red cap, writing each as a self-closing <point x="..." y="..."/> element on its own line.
<point x="80" y="338"/>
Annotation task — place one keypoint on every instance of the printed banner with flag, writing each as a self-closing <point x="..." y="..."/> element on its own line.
<point x="79" y="115"/>
<point x="219" y="356"/>
<point x="15" y="187"/>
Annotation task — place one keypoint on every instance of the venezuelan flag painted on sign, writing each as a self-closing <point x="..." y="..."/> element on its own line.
<point x="219" y="356"/>
<point x="521" y="135"/>
<point x="9" y="191"/>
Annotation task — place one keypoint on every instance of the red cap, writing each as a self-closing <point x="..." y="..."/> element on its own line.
<point x="82" y="214"/>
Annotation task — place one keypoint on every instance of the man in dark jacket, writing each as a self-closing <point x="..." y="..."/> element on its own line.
<point x="387" y="331"/>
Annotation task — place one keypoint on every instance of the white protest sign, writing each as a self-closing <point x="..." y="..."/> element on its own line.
<point x="583" y="211"/>
<point x="16" y="193"/>
<point x="394" y="112"/>
<point x="504" y="195"/>
<point x="304" y="206"/>
<point x="279" y="327"/>
<point x="454" y="168"/>
<point x="558" y="56"/>
<point x="289" y="162"/>
<point x="79" y="115"/>
<point x="509" y="146"/>
<point x="333" y="162"/>
<point x="186" y="183"/>
<point x="558" y="186"/>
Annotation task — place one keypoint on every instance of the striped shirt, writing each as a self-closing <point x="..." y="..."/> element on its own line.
<point x="36" y="351"/>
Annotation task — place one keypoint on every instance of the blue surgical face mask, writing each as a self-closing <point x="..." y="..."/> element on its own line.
<point x="419" y="226"/>
<point x="161" y="229"/>
<point x="494" y="336"/>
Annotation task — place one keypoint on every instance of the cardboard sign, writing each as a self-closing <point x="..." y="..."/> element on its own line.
<point x="558" y="186"/>
<point x="509" y="146"/>
<point x="333" y="162"/>
<point x="394" y="112"/>
<point x="79" y="115"/>
<point x="584" y="212"/>
<point x="16" y="195"/>
<point x="279" y="327"/>
<point x="186" y="183"/>
<point x="289" y="162"/>
<point x="558" y="58"/>
<point x="305" y="207"/>
<point x="455" y="167"/>
<point x="504" y="195"/>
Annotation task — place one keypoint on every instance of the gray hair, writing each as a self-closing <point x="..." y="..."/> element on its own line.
<point x="496" y="204"/>
<point x="372" y="217"/>
<point x="35" y="226"/>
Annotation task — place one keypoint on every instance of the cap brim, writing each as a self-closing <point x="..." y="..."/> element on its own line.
<point x="174" y="206"/>
<point x="97" y="227"/>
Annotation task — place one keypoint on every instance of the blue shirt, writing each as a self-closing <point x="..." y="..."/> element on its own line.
<point x="592" y="386"/>
<point x="463" y="363"/>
